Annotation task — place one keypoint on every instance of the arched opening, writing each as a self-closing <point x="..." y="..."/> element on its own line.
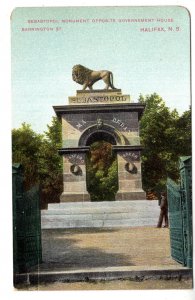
<point x="104" y="132"/>
<point x="100" y="135"/>
<point x="101" y="167"/>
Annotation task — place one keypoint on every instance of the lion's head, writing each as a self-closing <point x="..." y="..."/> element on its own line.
<point x="80" y="74"/>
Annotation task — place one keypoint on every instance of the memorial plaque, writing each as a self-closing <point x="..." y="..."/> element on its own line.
<point x="97" y="98"/>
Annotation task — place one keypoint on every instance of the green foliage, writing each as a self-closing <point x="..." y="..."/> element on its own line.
<point x="165" y="137"/>
<point x="26" y="150"/>
<point x="102" y="175"/>
<point x="40" y="159"/>
<point x="50" y="163"/>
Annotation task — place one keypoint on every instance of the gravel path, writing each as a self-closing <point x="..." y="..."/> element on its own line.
<point x="122" y="248"/>
<point x="92" y="248"/>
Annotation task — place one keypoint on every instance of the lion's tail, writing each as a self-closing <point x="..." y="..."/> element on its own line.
<point x="112" y="81"/>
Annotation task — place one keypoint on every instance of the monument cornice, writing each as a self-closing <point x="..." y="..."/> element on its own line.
<point x="131" y="107"/>
<point x="119" y="148"/>
<point x="84" y="149"/>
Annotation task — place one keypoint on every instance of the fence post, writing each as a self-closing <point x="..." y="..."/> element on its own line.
<point x="27" y="250"/>
<point x="175" y="221"/>
<point x="185" y="168"/>
<point x="18" y="218"/>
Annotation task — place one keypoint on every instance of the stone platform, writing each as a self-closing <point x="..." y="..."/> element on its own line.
<point x="101" y="214"/>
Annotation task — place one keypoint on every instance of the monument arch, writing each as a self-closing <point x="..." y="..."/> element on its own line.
<point x="106" y="132"/>
<point x="100" y="114"/>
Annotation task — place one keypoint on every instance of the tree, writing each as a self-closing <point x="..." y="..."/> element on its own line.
<point x="50" y="163"/>
<point x="38" y="154"/>
<point x="102" y="175"/>
<point x="26" y="146"/>
<point x="165" y="137"/>
<point x="184" y="136"/>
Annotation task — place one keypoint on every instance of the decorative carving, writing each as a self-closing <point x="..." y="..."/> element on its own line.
<point x="99" y="123"/>
<point x="131" y="168"/>
<point x="76" y="170"/>
<point x="87" y="77"/>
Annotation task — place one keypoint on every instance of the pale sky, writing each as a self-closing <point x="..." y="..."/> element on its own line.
<point x="142" y="61"/>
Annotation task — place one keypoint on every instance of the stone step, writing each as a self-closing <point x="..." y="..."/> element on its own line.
<point x="101" y="214"/>
<point x="143" y="204"/>
<point x="132" y="273"/>
<point x="62" y="223"/>
<point x="96" y="216"/>
<point x="81" y="211"/>
<point x="118" y="204"/>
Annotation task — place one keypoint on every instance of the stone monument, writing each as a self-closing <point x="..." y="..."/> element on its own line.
<point x="93" y="115"/>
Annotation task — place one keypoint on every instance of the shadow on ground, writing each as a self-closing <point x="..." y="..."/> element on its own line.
<point x="95" y="230"/>
<point x="62" y="252"/>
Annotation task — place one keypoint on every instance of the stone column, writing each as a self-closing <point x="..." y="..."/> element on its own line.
<point x="74" y="176"/>
<point x="129" y="173"/>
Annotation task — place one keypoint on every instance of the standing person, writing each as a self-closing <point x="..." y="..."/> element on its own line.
<point x="163" y="211"/>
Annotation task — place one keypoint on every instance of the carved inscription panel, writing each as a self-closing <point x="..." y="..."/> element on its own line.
<point x="75" y="124"/>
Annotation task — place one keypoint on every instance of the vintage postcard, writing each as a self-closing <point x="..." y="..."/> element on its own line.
<point x="101" y="148"/>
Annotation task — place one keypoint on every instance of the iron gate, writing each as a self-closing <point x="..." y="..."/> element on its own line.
<point x="180" y="214"/>
<point x="27" y="250"/>
<point x="175" y="221"/>
<point x="186" y="202"/>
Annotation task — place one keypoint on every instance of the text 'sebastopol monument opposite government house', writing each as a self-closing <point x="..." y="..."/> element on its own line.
<point x="94" y="115"/>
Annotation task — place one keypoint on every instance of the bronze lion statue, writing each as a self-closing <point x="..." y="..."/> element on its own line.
<point x="87" y="77"/>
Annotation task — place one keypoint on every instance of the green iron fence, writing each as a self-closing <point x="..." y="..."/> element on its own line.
<point x="175" y="221"/>
<point x="27" y="250"/>
<point x="180" y="213"/>
<point x="186" y="204"/>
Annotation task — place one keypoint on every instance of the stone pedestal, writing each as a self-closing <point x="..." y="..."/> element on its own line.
<point x="94" y="97"/>
<point x="74" y="176"/>
<point x="75" y="197"/>
<point x="129" y="173"/>
<point x="100" y="115"/>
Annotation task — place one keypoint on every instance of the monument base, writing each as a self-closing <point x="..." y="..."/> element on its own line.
<point x="76" y="197"/>
<point x="125" y="196"/>
<point x="104" y="214"/>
